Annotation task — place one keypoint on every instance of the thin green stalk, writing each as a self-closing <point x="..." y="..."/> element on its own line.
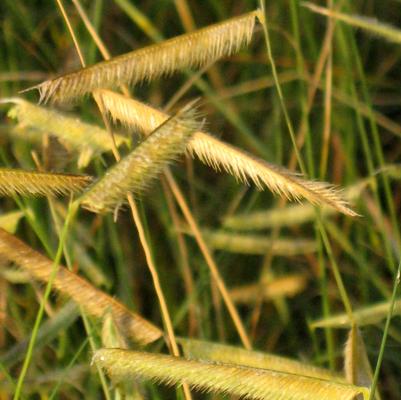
<point x="366" y="145"/>
<point x="70" y="364"/>
<point x="326" y="242"/>
<point x="72" y="211"/>
<point x="385" y="333"/>
<point x="336" y="271"/>
<point x="301" y="85"/>
<point x="328" y="332"/>
<point x="278" y="88"/>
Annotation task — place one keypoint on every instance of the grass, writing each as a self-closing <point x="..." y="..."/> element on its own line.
<point x="160" y="248"/>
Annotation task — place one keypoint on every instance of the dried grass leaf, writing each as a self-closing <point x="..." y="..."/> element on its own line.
<point x="86" y="138"/>
<point x="356" y="363"/>
<point x="258" y="244"/>
<point x="135" y="172"/>
<point x="363" y="316"/>
<point x="16" y="181"/>
<point x="191" y="50"/>
<point x="202" y="350"/>
<point x="94" y="301"/>
<point x="223" y="156"/>
<point x="251" y="383"/>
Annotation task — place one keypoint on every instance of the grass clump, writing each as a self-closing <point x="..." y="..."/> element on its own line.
<point x="206" y="259"/>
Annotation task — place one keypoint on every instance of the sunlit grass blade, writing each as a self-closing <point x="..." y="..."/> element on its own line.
<point x="203" y="350"/>
<point x="223" y="156"/>
<point x="192" y="50"/>
<point x="136" y="171"/>
<point x="17" y="181"/>
<point x="258" y="244"/>
<point x="370" y="25"/>
<point x="245" y="382"/>
<point x="94" y="301"/>
<point x="282" y="286"/>
<point x="363" y="316"/>
<point x="70" y="130"/>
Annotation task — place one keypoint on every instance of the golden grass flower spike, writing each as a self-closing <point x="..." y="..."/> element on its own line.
<point x="69" y="130"/>
<point x="258" y="244"/>
<point x="250" y="383"/>
<point x="94" y="301"/>
<point x="17" y="181"/>
<point x="223" y="156"/>
<point x="135" y="172"/>
<point x="191" y="50"/>
<point x="368" y="315"/>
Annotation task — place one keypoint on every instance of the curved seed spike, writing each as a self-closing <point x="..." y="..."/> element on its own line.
<point x="94" y="301"/>
<point x="191" y="50"/>
<point x="223" y="156"/>
<point x="251" y="383"/>
<point x="368" y="315"/>
<point x="258" y="244"/>
<point x="16" y="181"/>
<point x="135" y="172"/>
<point x="86" y="138"/>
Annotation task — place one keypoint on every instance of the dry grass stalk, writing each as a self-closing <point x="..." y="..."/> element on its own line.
<point x="258" y="244"/>
<point x="364" y="316"/>
<point x="251" y="383"/>
<point x="216" y="352"/>
<point x="95" y="302"/>
<point x="223" y="156"/>
<point x="88" y="139"/>
<point x="192" y="50"/>
<point x="135" y="172"/>
<point x="16" y="181"/>
<point x="287" y="286"/>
